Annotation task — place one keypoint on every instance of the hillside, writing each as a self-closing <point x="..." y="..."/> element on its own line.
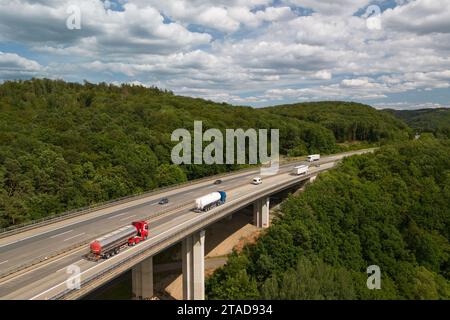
<point x="66" y="145"/>
<point x="347" y="120"/>
<point x="436" y="121"/>
<point x="388" y="209"/>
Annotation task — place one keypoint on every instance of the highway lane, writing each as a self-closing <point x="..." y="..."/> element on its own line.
<point x="236" y="186"/>
<point x="55" y="273"/>
<point x="44" y="244"/>
<point x="36" y="283"/>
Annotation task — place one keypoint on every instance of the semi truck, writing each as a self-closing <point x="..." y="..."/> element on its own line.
<point x="111" y="243"/>
<point x="210" y="201"/>
<point x="301" y="170"/>
<point x="314" y="157"/>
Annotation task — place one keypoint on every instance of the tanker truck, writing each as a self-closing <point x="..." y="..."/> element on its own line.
<point x="111" y="243"/>
<point x="210" y="201"/>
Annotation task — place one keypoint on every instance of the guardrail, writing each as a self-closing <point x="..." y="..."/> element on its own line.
<point x="206" y="220"/>
<point x="4" y="232"/>
<point x="68" y="250"/>
<point x="77" y="246"/>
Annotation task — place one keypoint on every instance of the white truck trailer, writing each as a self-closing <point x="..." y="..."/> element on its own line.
<point x="301" y="170"/>
<point x="210" y="201"/>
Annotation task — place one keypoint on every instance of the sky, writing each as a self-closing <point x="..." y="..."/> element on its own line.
<point x="385" y="53"/>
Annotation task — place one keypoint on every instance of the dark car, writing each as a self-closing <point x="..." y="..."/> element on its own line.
<point x="218" y="182"/>
<point x="164" y="201"/>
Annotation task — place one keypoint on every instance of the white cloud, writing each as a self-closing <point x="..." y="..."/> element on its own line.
<point x="421" y="16"/>
<point x="332" y="7"/>
<point x="263" y="51"/>
<point x="13" y="66"/>
<point x="12" y="61"/>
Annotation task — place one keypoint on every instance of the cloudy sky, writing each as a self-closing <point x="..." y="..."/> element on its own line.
<point x="387" y="53"/>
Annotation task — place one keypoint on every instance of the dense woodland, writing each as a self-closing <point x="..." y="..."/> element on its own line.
<point x="436" y="121"/>
<point x="66" y="145"/>
<point x="389" y="209"/>
<point x="347" y="120"/>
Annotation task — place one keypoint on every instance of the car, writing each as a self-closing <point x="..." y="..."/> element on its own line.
<point x="163" y="201"/>
<point x="256" y="181"/>
<point x="218" y="182"/>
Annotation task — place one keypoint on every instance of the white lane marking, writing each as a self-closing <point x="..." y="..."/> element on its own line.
<point x="118" y="215"/>
<point x="39" y="234"/>
<point x="60" y="234"/>
<point x="42" y="266"/>
<point x="4" y="262"/>
<point x="78" y="235"/>
<point x="123" y="219"/>
<point x="116" y="256"/>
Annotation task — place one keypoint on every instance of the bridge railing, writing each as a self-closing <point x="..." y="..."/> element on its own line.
<point x="207" y="219"/>
<point x="4" y="232"/>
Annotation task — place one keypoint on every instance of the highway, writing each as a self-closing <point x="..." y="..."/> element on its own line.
<point x="65" y="242"/>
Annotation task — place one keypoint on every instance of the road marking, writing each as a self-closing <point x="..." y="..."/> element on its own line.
<point x="123" y="219"/>
<point x="60" y="234"/>
<point x="131" y="205"/>
<point x="118" y="255"/>
<point x="4" y="262"/>
<point x="118" y="215"/>
<point x="78" y="235"/>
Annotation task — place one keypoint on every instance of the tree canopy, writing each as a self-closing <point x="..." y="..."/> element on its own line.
<point x="389" y="209"/>
<point x="67" y="145"/>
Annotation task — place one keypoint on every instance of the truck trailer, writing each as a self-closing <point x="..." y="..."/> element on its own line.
<point x="210" y="201"/>
<point x="111" y="243"/>
<point x="301" y="170"/>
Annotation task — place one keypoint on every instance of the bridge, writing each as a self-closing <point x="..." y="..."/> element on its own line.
<point x="34" y="259"/>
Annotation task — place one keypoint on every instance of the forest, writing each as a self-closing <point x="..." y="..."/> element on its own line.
<point x="436" y="121"/>
<point x="65" y="145"/>
<point x="389" y="209"/>
<point x="348" y="121"/>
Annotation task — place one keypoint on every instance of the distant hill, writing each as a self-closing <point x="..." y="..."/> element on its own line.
<point x="426" y="120"/>
<point x="67" y="145"/>
<point x="347" y="120"/>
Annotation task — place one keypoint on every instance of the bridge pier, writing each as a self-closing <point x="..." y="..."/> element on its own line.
<point x="312" y="179"/>
<point x="261" y="217"/>
<point x="142" y="280"/>
<point x="193" y="261"/>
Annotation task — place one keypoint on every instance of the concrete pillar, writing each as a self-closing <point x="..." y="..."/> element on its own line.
<point x="193" y="256"/>
<point x="142" y="280"/>
<point x="312" y="179"/>
<point x="261" y="213"/>
<point x="136" y="280"/>
<point x="186" y="257"/>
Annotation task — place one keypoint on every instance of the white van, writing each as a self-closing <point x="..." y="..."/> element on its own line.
<point x="314" y="157"/>
<point x="256" y="181"/>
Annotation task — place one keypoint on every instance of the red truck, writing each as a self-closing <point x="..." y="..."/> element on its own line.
<point x="111" y="243"/>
